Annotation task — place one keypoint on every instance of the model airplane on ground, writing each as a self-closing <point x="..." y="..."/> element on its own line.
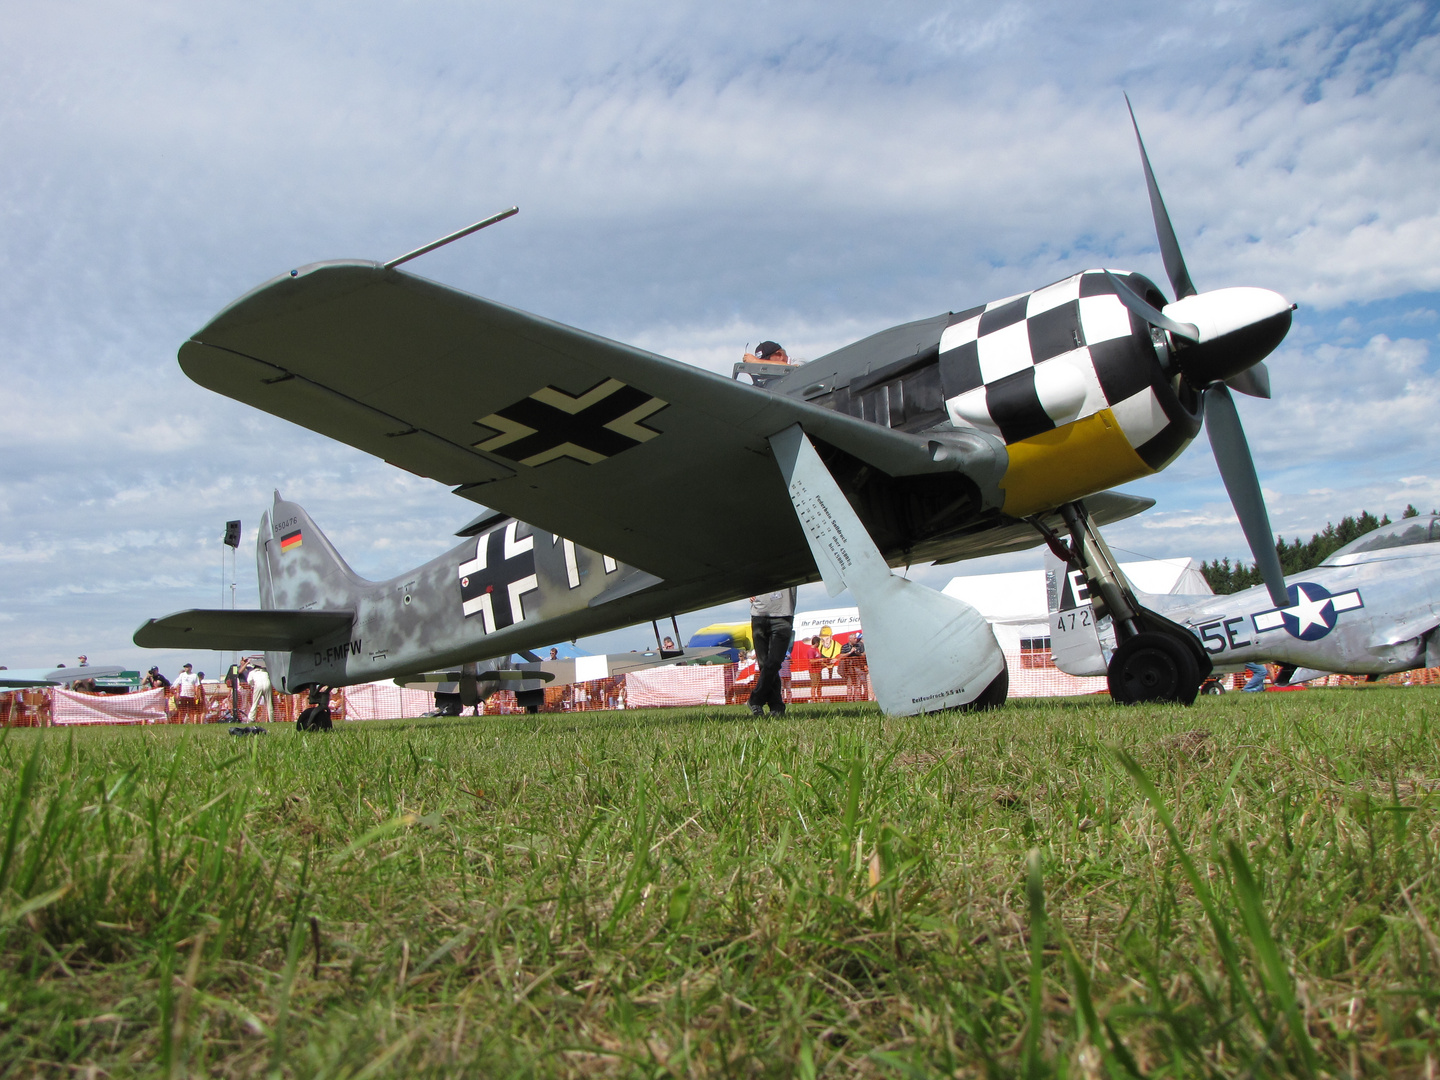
<point x="965" y="434"/>
<point x="30" y="678"/>
<point x="1371" y="608"/>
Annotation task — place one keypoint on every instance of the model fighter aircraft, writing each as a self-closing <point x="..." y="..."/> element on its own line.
<point x="965" y="434"/>
<point x="1372" y="608"/>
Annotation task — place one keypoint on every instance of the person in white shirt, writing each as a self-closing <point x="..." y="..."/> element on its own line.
<point x="187" y="695"/>
<point x="259" y="680"/>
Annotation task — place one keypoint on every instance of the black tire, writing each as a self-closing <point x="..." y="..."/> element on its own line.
<point x="1213" y="686"/>
<point x="993" y="696"/>
<point x="1153" y="667"/>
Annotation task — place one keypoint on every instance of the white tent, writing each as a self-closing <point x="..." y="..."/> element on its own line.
<point x="1017" y="609"/>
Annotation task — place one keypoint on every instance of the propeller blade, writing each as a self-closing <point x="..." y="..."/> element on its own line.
<point x="1164" y="231"/>
<point x="1237" y="469"/>
<point x="1254" y="380"/>
<point x="1151" y="314"/>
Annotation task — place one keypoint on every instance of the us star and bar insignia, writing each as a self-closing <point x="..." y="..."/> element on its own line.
<point x="1312" y="614"/>
<point x="551" y="424"/>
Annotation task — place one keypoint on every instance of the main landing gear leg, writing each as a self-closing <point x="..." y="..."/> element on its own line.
<point x="1154" y="659"/>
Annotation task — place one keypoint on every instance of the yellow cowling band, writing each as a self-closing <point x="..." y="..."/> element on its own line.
<point x="1068" y="463"/>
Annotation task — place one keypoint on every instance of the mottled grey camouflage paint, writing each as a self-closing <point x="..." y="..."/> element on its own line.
<point x="416" y="622"/>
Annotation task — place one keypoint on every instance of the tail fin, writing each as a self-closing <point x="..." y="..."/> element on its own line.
<point x="1075" y="644"/>
<point x="299" y="569"/>
<point x="1065" y="587"/>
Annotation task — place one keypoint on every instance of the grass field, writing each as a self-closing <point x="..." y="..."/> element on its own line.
<point x="1247" y="887"/>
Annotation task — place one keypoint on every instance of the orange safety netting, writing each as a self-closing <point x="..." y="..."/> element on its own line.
<point x="701" y="684"/>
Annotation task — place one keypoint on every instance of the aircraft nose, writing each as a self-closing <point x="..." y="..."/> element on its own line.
<point x="1238" y="328"/>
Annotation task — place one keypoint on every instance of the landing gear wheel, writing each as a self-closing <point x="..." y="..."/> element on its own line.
<point x="1213" y="686"/>
<point x="993" y="696"/>
<point x="1153" y="667"/>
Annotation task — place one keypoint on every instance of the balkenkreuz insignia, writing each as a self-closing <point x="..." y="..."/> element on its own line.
<point x="501" y="573"/>
<point x="551" y="424"/>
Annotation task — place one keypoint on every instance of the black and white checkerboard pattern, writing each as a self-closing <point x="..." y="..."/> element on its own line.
<point x="1031" y="363"/>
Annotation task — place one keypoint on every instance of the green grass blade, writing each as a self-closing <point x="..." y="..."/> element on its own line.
<point x="1229" y="954"/>
<point x="1277" y="977"/>
<point x="1034" y="1065"/>
<point x="19" y="807"/>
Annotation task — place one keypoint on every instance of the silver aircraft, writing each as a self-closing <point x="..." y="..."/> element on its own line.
<point x="1371" y="608"/>
<point x="968" y="433"/>
<point x="31" y="678"/>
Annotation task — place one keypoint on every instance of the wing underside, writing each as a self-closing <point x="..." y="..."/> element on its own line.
<point x="659" y="464"/>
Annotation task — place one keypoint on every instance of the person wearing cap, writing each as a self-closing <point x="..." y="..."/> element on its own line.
<point x="768" y="352"/>
<point x="154" y="680"/>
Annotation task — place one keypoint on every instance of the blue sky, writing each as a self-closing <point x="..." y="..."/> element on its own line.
<point x="691" y="178"/>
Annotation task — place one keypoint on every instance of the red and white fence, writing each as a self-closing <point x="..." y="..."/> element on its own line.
<point x="1031" y="675"/>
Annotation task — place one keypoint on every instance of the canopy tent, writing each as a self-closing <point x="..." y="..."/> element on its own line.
<point x="1016" y="605"/>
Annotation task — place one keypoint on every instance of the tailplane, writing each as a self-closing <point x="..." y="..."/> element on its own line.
<point x="1076" y="646"/>
<point x="307" y="594"/>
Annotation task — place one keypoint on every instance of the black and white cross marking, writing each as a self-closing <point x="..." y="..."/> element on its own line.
<point x="503" y="571"/>
<point x="572" y="561"/>
<point x="551" y="424"/>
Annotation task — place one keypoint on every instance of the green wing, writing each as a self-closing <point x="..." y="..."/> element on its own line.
<point x="656" y="463"/>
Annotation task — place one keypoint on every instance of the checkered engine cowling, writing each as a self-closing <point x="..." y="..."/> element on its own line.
<point x="1031" y="363"/>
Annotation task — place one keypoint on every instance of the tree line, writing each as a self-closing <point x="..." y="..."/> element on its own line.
<point x="1298" y="555"/>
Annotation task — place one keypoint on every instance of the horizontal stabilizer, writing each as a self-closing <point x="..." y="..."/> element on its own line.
<point x="270" y="631"/>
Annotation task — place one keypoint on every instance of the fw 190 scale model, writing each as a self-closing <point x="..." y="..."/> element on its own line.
<point x="965" y="434"/>
<point x="1371" y="608"/>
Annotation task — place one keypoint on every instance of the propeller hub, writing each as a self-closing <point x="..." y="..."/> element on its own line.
<point x="1237" y="327"/>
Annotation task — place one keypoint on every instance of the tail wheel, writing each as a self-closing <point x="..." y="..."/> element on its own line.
<point x="1213" y="686"/>
<point x="1153" y="667"/>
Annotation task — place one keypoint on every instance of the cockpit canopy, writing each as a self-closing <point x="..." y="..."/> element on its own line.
<point x="1407" y="532"/>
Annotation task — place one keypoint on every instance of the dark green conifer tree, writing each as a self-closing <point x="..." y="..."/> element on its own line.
<point x="1298" y="555"/>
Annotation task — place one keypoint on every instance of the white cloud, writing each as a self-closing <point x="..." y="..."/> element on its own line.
<point x="692" y="177"/>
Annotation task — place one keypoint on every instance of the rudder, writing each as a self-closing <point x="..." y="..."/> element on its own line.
<point x="299" y="569"/>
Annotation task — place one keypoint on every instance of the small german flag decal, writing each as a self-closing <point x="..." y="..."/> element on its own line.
<point x="290" y="541"/>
